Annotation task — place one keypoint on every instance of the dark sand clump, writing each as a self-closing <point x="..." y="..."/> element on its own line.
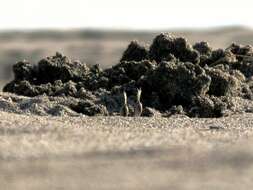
<point x="175" y="78"/>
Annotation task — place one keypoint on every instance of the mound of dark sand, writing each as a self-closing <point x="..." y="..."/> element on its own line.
<point x="175" y="78"/>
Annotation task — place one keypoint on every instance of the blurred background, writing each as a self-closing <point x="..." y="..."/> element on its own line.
<point x="97" y="32"/>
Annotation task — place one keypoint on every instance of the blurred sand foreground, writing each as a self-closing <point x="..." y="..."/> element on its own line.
<point x="125" y="153"/>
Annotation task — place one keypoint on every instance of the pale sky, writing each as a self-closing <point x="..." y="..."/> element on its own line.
<point x="123" y="14"/>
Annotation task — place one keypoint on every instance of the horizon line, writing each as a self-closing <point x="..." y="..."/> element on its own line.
<point x="123" y="29"/>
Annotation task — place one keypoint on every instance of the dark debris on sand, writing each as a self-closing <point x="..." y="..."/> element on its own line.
<point x="175" y="78"/>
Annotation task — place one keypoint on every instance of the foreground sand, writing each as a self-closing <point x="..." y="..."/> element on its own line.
<point x="125" y="153"/>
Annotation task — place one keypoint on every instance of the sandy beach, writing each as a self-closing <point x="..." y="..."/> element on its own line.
<point x="46" y="144"/>
<point x="126" y="95"/>
<point x="45" y="152"/>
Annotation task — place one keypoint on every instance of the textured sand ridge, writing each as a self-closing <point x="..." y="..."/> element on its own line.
<point x="174" y="77"/>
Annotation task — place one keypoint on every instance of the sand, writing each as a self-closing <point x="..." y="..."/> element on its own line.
<point x="45" y="152"/>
